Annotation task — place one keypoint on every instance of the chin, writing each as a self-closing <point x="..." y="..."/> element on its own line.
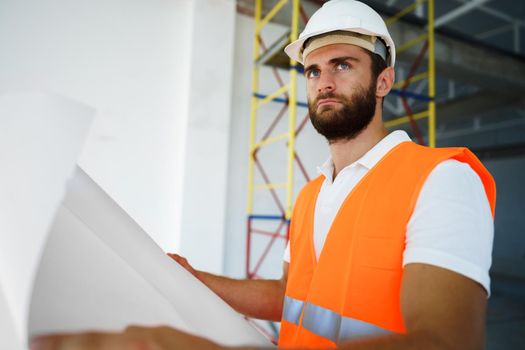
<point x="326" y="109"/>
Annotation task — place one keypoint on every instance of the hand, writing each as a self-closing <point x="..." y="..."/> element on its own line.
<point x="184" y="263"/>
<point x="133" y="338"/>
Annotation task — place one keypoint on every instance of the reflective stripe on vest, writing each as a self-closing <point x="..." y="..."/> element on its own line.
<point x="327" y="323"/>
<point x="292" y="310"/>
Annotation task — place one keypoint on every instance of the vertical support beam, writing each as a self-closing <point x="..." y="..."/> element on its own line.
<point x="420" y="10"/>
<point x="431" y="76"/>
<point x="248" y="246"/>
<point x="253" y="111"/>
<point x="399" y="103"/>
<point x="292" y="108"/>
<point x="451" y="89"/>
<point x="198" y="195"/>
<point x="516" y="37"/>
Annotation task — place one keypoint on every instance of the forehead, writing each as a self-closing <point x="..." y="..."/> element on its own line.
<point x="324" y="54"/>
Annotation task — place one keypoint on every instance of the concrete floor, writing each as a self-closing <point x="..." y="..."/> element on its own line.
<point x="506" y="314"/>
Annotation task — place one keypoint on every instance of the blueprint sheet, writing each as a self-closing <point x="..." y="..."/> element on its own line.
<point x="71" y="259"/>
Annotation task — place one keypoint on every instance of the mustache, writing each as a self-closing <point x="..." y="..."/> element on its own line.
<point x="326" y="95"/>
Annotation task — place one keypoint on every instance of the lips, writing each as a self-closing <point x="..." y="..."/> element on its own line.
<point x="325" y="101"/>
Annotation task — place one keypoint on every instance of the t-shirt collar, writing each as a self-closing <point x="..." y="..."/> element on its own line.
<point x="370" y="158"/>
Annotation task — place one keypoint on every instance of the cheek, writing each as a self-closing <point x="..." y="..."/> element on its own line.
<point x="354" y="84"/>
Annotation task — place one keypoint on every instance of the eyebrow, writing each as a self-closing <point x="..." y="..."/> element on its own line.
<point x="334" y="60"/>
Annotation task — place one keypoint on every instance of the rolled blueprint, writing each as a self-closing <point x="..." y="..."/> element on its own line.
<point x="71" y="259"/>
<point x="41" y="137"/>
<point x="100" y="270"/>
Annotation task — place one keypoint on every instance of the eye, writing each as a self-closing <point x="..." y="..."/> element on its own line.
<point x="313" y="73"/>
<point x="342" y="66"/>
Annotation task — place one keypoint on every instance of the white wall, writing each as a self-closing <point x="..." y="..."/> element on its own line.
<point x="205" y="149"/>
<point x="141" y="64"/>
<point x="160" y="74"/>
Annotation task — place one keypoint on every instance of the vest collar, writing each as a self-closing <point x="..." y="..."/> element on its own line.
<point x="370" y="158"/>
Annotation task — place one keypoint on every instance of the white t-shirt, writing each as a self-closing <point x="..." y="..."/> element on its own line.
<point x="451" y="226"/>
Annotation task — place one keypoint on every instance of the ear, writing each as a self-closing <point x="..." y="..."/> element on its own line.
<point x="385" y="81"/>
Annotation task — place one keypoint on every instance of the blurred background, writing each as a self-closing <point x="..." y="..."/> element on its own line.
<point x="196" y="112"/>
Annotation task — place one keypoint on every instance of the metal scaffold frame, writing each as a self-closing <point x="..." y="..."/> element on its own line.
<point x="400" y="89"/>
<point x="286" y="94"/>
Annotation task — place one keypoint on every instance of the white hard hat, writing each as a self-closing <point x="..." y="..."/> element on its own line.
<point x="348" y="16"/>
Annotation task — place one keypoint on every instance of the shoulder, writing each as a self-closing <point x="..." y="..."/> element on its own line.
<point x="452" y="225"/>
<point x="456" y="178"/>
<point x="452" y="169"/>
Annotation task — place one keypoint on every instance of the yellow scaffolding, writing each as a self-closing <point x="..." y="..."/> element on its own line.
<point x="400" y="87"/>
<point x="290" y="90"/>
<point x="287" y="95"/>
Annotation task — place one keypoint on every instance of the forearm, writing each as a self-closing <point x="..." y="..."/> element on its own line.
<point x="411" y="341"/>
<point x="261" y="299"/>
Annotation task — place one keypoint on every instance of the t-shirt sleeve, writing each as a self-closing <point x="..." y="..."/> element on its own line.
<point x="452" y="225"/>
<point x="286" y="255"/>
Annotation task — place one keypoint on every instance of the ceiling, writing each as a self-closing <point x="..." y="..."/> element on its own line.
<point x="499" y="24"/>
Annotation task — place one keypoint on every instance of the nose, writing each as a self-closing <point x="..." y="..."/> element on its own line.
<point x="326" y="83"/>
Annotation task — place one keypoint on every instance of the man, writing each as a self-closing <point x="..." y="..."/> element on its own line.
<point x="389" y="248"/>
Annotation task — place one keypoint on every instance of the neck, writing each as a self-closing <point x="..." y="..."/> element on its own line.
<point x="346" y="152"/>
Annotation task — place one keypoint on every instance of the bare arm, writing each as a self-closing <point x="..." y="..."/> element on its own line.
<point x="261" y="299"/>
<point x="442" y="311"/>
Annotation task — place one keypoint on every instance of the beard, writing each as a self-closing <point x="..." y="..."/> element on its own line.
<point x="347" y="122"/>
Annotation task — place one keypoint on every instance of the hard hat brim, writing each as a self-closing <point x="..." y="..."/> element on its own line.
<point x="294" y="49"/>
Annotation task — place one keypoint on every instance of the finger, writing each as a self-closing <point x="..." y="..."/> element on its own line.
<point x="84" y="341"/>
<point x="180" y="260"/>
<point x="46" y="342"/>
<point x="167" y="338"/>
<point x="134" y="330"/>
<point x="176" y="257"/>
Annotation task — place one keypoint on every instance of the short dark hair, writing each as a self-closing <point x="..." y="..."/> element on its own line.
<point x="378" y="64"/>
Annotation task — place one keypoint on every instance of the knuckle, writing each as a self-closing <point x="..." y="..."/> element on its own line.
<point x="132" y="329"/>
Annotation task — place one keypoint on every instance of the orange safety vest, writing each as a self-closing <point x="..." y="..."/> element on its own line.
<point x="354" y="288"/>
